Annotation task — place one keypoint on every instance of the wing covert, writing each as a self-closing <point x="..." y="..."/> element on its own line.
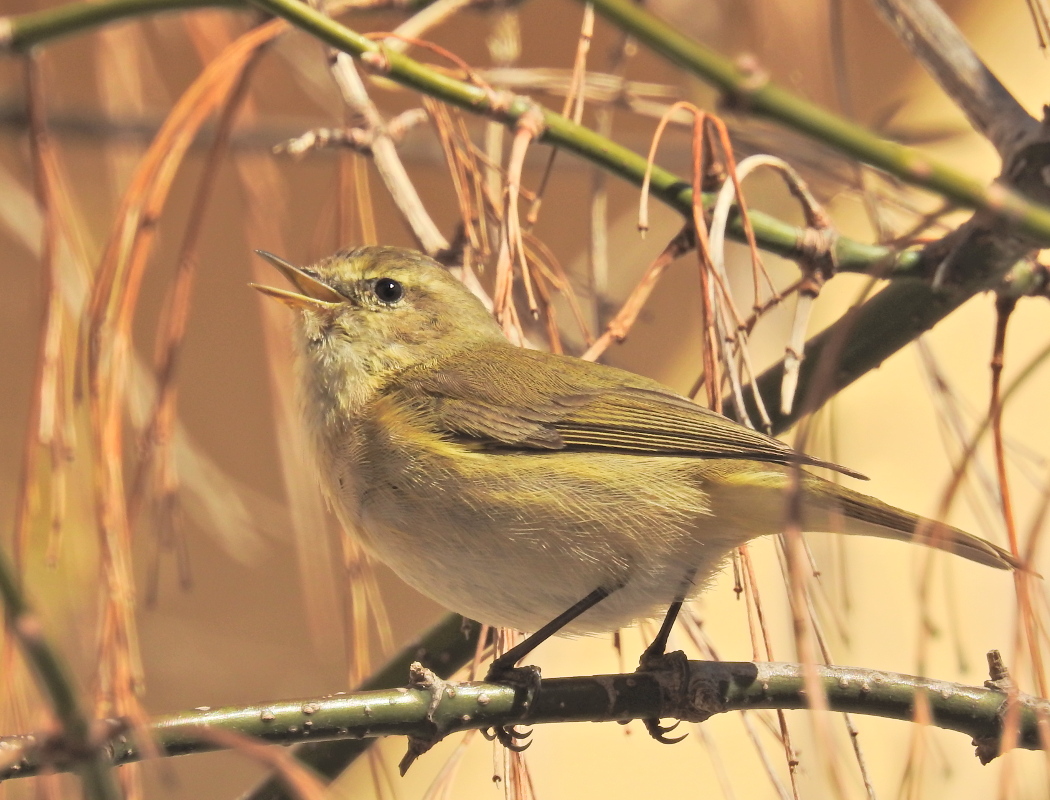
<point x="482" y="400"/>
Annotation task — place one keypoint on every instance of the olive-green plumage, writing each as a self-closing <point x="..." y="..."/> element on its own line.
<point x="507" y="484"/>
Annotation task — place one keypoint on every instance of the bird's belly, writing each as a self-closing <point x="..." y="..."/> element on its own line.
<point x="507" y="540"/>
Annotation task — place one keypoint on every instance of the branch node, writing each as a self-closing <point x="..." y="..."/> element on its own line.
<point x="753" y="78"/>
<point x="816" y="246"/>
<point x="419" y="677"/>
<point x="376" y="61"/>
<point x="998" y="675"/>
<point x="532" y="121"/>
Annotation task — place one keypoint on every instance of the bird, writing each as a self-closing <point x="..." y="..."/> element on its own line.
<point x="532" y="490"/>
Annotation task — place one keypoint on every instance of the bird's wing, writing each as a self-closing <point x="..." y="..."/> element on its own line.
<point x="500" y="398"/>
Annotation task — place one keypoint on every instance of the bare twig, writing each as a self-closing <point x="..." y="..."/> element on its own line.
<point x="384" y="153"/>
<point x="618" y="327"/>
<point x="157" y="471"/>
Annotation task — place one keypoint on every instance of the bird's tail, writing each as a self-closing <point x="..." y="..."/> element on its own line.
<point x="831" y="507"/>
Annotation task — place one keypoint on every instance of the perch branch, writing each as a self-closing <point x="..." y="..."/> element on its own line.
<point x="445" y="648"/>
<point x="691" y="690"/>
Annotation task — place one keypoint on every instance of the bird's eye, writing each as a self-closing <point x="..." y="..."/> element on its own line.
<point x="388" y="290"/>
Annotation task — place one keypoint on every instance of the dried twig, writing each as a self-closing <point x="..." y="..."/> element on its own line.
<point x="157" y="466"/>
<point x="384" y="153"/>
<point x="620" y="325"/>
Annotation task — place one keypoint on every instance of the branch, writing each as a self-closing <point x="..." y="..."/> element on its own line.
<point x="445" y="649"/>
<point x="21" y="32"/>
<point x="862" y="338"/>
<point x="751" y="90"/>
<point x="939" y="46"/>
<point x="772" y="234"/>
<point x="692" y="691"/>
<point x="384" y="153"/>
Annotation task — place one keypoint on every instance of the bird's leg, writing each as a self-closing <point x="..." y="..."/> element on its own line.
<point x="506" y="663"/>
<point x="504" y="669"/>
<point x="657" y="649"/>
<point x="656" y="656"/>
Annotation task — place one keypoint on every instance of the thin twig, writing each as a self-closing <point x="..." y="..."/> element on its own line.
<point x="384" y="153"/>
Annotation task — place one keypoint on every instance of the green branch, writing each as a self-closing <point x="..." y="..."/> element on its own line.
<point x="772" y="234"/>
<point x="753" y="92"/>
<point x="445" y="649"/>
<point x="20" y="32"/>
<point x="689" y="690"/>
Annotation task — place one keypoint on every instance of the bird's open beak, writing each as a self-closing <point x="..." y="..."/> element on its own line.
<point x="314" y="294"/>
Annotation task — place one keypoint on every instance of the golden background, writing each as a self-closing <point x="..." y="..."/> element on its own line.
<point x="242" y="633"/>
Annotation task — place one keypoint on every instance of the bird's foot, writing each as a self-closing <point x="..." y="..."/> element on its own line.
<point x="654" y="659"/>
<point x="659" y="732"/>
<point x="526" y="682"/>
<point x="509" y="736"/>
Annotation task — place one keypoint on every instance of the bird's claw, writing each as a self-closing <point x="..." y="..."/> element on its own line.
<point x="654" y="659"/>
<point x="508" y="736"/>
<point x="526" y="681"/>
<point x="659" y="732"/>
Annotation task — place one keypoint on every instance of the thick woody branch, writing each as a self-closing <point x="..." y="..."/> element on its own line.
<point x="975" y="257"/>
<point x="689" y="690"/>
<point x="938" y="45"/>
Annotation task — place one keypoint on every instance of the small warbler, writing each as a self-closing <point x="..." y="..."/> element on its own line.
<point x="517" y="486"/>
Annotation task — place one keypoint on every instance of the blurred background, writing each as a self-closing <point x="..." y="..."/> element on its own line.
<point x="240" y="578"/>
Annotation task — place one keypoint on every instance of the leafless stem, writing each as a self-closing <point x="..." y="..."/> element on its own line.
<point x="384" y="153"/>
